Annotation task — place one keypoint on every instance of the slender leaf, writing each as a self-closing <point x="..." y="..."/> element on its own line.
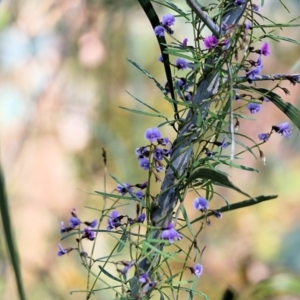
<point x="143" y="112"/>
<point x="108" y="274"/>
<point x="216" y="177"/>
<point x="8" y="232"/>
<point x="122" y="241"/>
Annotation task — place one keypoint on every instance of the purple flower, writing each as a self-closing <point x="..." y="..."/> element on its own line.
<point x="284" y="129"/>
<point x="141" y="152"/>
<point x="168" y="20"/>
<point x="114" y="220"/>
<point x="61" y="251"/>
<point x="188" y="96"/>
<point x="265" y="49"/>
<point x="222" y="144"/>
<point x="141" y="218"/>
<point x="197" y="270"/>
<point x="239" y="2"/>
<point x="139" y="194"/>
<point x="164" y="141"/>
<point x="224" y="27"/>
<point x="265" y="99"/>
<point x="253" y="108"/>
<point x="127" y="265"/>
<point x="255" y="7"/>
<point x="171" y="234"/>
<point x="210" y="42"/>
<point x="217" y="214"/>
<point x="92" y="224"/>
<point x="263" y="136"/>
<point x="201" y="204"/>
<point x="123" y="188"/>
<point x="248" y="25"/>
<point x="159" y="30"/>
<point x="161" y="59"/>
<point x="158" y="154"/>
<point x="181" y="64"/>
<point x="152" y="134"/>
<point x="63" y="227"/>
<point x="184" y="42"/>
<point x="144" y="163"/>
<point x="89" y="234"/>
<point x="255" y="71"/>
<point x="144" y="278"/>
<point x="74" y="222"/>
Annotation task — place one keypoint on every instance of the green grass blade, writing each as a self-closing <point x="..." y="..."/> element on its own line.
<point x="11" y="246"/>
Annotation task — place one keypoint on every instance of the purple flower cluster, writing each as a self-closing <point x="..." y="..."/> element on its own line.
<point x="115" y="218"/>
<point x="167" y="21"/>
<point x="201" y="204"/>
<point x="125" y="188"/>
<point x="74" y="222"/>
<point x="284" y="129"/>
<point x="210" y="42"/>
<point x="153" y="135"/>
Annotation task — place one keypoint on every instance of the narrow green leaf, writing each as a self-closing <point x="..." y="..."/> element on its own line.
<point x="186" y="219"/>
<point x="108" y="274"/>
<point x="150" y="107"/>
<point x="8" y="232"/>
<point x="238" y="166"/>
<point x="142" y="112"/>
<point x="122" y="241"/>
<point x="287" y="108"/>
<point x="134" y="285"/>
<point x="177" y="9"/>
<point x="148" y="75"/>
<point x="216" y="178"/>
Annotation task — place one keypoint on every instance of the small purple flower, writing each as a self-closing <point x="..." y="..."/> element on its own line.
<point x="141" y="218"/>
<point x="144" y="278"/>
<point x="184" y="42"/>
<point x="139" y="194"/>
<point x="265" y="99"/>
<point x="284" y="129"/>
<point x="144" y="163"/>
<point x="141" y="152"/>
<point x="180" y="83"/>
<point x="239" y="2"/>
<point x="87" y="233"/>
<point x="161" y="59"/>
<point x="113" y="220"/>
<point x="159" y="30"/>
<point x="152" y="134"/>
<point x="181" y="64"/>
<point x="248" y="25"/>
<point x="168" y="20"/>
<point x="123" y="188"/>
<point x="171" y="234"/>
<point x="210" y="42"/>
<point x="197" y="270"/>
<point x="251" y="75"/>
<point x="217" y="214"/>
<point x="92" y="224"/>
<point x="208" y="153"/>
<point x="63" y="227"/>
<point x="61" y="251"/>
<point x="127" y="265"/>
<point x="222" y="144"/>
<point x="265" y="49"/>
<point x="224" y="27"/>
<point x="74" y="222"/>
<point x="188" y="96"/>
<point x="263" y="136"/>
<point x="164" y="141"/>
<point x="158" y="154"/>
<point x="201" y="204"/>
<point x="255" y="7"/>
<point x="253" y="108"/>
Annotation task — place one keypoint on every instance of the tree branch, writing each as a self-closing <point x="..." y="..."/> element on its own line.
<point x="214" y="28"/>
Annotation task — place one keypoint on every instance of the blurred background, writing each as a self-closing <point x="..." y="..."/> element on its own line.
<point x="63" y="76"/>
